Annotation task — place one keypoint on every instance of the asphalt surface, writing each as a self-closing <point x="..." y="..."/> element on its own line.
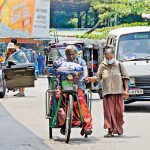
<point x="23" y="125"/>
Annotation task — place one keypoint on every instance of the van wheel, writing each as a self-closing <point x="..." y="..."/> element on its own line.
<point x="2" y="94"/>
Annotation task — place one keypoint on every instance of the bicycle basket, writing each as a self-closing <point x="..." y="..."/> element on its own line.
<point x="70" y="74"/>
<point x="70" y="79"/>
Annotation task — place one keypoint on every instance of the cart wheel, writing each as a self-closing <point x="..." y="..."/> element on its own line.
<point x="50" y="130"/>
<point x="69" y="118"/>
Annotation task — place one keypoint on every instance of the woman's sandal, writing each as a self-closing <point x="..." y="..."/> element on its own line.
<point x="108" y="135"/>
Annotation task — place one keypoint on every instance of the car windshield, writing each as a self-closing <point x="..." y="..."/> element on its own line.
<point x="54" y="54"/>
<point x="29" y="55"/>
<point x="18" y="57"/>
<point x="62" y="51"/>
<point x="134" y="46"/>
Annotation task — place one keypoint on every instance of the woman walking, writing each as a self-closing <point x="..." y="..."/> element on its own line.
<point x="114" y="89"/>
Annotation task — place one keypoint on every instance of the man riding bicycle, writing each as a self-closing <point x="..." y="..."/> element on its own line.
<point x="71" y="56"/>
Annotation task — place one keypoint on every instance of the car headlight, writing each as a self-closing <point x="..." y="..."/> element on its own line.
<point x="132" y="80"/>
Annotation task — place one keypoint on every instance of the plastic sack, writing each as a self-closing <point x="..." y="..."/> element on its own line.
<point x="69" y="66"/>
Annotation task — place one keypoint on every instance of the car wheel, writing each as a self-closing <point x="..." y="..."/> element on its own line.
<point x="2" y="94"/>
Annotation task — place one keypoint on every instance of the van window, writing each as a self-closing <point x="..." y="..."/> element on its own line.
<point x="134" y="45"/>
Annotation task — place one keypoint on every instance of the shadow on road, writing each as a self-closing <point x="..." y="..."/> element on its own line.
<point x="79" y="141"/>
<point x="14" y="135"/>
<point x="140" y="107"/>
<point x="126" y="137"/>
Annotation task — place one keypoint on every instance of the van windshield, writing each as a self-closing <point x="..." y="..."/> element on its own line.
<point x="134" y="46"/>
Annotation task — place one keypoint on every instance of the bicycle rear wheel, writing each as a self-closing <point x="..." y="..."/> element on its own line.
<point x="50" y="130"/>
<point x="68" y="126"/>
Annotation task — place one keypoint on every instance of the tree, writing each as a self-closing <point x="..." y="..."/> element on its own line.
<point x="102" y="33"/>
<point x="110" y="10"/>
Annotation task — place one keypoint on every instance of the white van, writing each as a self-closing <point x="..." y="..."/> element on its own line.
<point x="132" y="47"/>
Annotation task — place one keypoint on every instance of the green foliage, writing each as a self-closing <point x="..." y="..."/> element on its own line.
<point x="73" y="23"/>
<point x="112" y="9"/>
<point x="109" y="12"/>
<point x="52" y="30"/>
<point x="61" y="19"/>
<point x="103" y="32"/>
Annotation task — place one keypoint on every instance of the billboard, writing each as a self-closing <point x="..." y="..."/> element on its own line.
<point x="24" y="18"/>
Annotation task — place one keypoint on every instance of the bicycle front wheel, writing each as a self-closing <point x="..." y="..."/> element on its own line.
<point x="69" y="110"/>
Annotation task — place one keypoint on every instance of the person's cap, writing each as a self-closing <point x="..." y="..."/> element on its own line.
<point x="10" y="45"/>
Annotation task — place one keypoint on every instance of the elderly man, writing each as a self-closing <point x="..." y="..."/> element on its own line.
<point x="71" y="56"/>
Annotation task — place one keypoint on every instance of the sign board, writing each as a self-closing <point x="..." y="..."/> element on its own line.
<point x="24" y="18"/>
<point x="135" y="36"/>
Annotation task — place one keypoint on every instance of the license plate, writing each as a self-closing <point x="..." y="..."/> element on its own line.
<point x="135" y="91"/>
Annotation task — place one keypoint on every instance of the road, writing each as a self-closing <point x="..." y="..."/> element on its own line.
<point x="23" y="125"/>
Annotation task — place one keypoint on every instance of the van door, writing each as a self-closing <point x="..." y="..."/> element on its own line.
<point x="18" y="72"/>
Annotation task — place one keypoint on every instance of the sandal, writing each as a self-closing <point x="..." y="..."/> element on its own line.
<point x="88" y="132"/>
<point x="108" y="135"/>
